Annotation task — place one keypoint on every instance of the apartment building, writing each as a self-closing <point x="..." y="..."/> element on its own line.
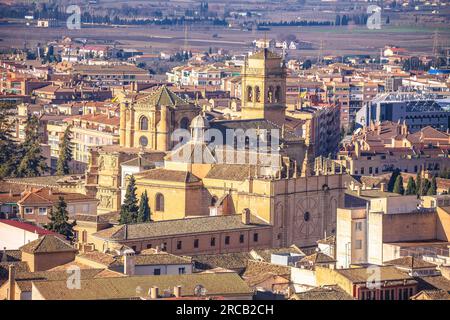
<point x="201" y="76"/>
<point x="36" y="203"/>
<point x="56" y="94"/>
<point x="384" y="147"/>
<point x="323" y="123"/>
<point x="107" y="75"/>
<point x="370" y="283"/>
<point x="350" y="97"/>
<point x="376" y="226"/>
<point x="91" y="130"/>
<point x="418" y="111"/>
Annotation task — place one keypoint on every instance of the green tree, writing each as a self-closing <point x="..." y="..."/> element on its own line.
<point x="338" y="20"/>
<point x="433" y="187"/>
<point x="65" y="153"/>
<point x="129" y="208"/>
<point x="8" y="147"/>
<point x="307" y="64"/>
<point x="59" y="220"/>
<point x="424" y="187"/>
<point x="393" y="179"/>
<point x="32" y="162"/>
<point x="411" y="187"/>
<point x="398" y="186"/>
<point x="418" y="183"/>
<point x="144" y="209"/>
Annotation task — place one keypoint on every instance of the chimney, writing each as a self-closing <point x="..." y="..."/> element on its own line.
<point x="177" y="291"/>
<point x="246" y="216"/>
<point x="4" y="257"/>
<point x="157" y="249"/>
<point x="154" y="292"/>
<point x="129" y="263"/>
<point x="383" y="187"/>
<point x="358" y="190"/>
<point x="12" y="283"/>
<point x="50" y="191"/>
<point x="357" y="149"/>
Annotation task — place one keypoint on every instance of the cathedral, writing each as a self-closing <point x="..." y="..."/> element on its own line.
<point x="196" y="178"/>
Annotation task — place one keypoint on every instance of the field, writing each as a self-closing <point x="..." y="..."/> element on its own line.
<point x="150" y="39"/>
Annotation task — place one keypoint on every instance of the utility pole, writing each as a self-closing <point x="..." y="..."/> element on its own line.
<point x="436" y="52"/>
<point x="320" y="55"/>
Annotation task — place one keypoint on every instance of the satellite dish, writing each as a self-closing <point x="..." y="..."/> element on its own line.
<point x="199" y="290"/>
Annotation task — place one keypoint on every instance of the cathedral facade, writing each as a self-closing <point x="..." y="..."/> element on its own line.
<point x="148" y="122"/>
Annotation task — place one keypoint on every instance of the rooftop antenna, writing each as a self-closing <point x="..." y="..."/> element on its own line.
<point x="319" y="57"/>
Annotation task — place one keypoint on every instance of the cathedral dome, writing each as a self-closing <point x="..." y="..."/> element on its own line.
<point x="199" y="122"/>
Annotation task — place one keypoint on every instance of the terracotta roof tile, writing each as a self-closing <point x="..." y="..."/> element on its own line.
<point x="180" y="226"/>
<point x="168" y="175"/>
<point x="218" y="284"/>
<point x="323" y="293"/>
<point x="47" y="244"/>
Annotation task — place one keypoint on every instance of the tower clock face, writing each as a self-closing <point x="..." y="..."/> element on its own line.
<point x="305" y="220"/>
<point x="143" y="141"/>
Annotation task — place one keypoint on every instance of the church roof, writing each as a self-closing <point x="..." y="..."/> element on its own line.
<point x="163" y="96"/>
<point x="168" y="228"/>
<point x="234" y="172"/>
<point x="192" y="152"/>
<point x="261" y="124"/>
<point x="169" y="175"/>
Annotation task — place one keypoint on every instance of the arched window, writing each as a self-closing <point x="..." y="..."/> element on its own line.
<point x="257" y="94"/>
<point x="159" y="202"/>
<point x="270" y="95"/>
<point x="184" y="123"/>
<point x="278" y="94"/>
<point x="213" y="201"/>
<point x="249" y="94"/>
<point x="143" y="123"/>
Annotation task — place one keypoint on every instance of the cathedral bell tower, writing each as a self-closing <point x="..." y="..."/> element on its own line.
<point x="264" y="87"/>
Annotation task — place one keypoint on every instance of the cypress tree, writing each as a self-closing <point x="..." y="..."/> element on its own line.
<point x="393" y="179"/>
<point x="144" y="209"/>
<point x="8" y="147"/>
<point x="65" y="153"/>
<point x="398" y="186"/>
<point x="424" y="187"/>
<point x="338" y="20"/>
<point x="411" y="187"/>
<point x="433" y="187"/>
<point x="418" y="183"/>
<point x="129" y="208"/>
<point x="32" y="163"/>
<point x="59" y="220"/>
